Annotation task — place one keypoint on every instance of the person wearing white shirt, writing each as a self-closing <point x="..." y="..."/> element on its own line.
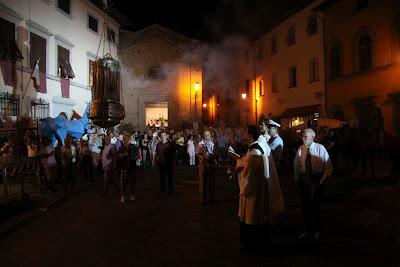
<point x="207" y="165"/>
<point x="276" y="142"/>
<point x="312" y="167"/>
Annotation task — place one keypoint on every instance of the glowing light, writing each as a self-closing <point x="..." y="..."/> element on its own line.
<point x="244" y="95"/>
<point x="204" y="105"/>
<point x="197" y="86"/>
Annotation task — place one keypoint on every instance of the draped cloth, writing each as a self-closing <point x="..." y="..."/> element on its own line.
<point x="260" y="197"/>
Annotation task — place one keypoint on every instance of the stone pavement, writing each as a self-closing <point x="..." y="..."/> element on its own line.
<point x="361" y="228"/>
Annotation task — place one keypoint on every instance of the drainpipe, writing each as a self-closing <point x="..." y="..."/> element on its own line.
<point x="324" y="61"/>
<point x="255" y="80"/>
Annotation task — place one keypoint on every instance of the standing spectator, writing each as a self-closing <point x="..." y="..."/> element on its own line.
<point x="276" y="142"/>
<point x="191" y="151"/>
<point x="152" y="147"/>
<point x="86" y="162"/>
<point x="108" y="159"/>
<point x="144" y="145"/>
<point x="165" y="156"/>
<point x="123" y="165"/>
<point x="180" y="143"/>
<point x="207" y="165"/>
<point x="222" y="145"/>
<point x="312" y="167"/>
<point x="133" y="156"/>
<point x="49" y="163"/>
<point x="68" y="163"/>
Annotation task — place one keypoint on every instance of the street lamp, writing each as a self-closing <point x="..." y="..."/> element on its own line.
<point x="196" y="89"/>
<point x="244" y="95"/>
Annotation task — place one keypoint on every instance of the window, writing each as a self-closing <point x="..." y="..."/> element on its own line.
<point x="64" y="66"/>
<point x="64" y="5"/>
<point x="8" y="49"/>
<point x="291" y="36"/>
<point x="274" y="46"/>
<point x="260" y="53"/>
<point x="361" y="4"/>
<point x="314" y="70"/>
<point x="90" y="80"/>
<point x="296" y="121"/>
<point x="292" y="77"/>
<point x="247" y="86"/>
<point x="9" y="105"/>
<point x="365" y="53"/>
<point x="93" y="23"/>
<point x="38" y="52"/>
<point x="335" y="56"/>
<point x="155" y="73"/>
<point x="111" y="36"/>
<point x="261" y="87"/>
<point x="312" y="25"/>
<point x="274" y="84"/>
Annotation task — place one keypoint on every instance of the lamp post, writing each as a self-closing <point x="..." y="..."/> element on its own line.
<point x="244" y="96"/>
<point x="196" y="89"/>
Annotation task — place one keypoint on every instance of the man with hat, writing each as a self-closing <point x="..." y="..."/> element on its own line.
<point x="276" y="142"/>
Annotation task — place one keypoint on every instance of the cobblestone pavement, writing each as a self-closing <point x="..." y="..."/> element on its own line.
<point x="361" y="228"/>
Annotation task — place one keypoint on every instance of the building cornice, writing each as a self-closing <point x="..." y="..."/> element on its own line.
<point x="11" y="13"/>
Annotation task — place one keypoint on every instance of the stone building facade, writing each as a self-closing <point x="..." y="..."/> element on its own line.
<point x="162" y="78"/>
<point x="363" y="60"/>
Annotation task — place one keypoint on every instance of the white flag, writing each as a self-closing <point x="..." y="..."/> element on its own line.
<point x="36" y="74"/>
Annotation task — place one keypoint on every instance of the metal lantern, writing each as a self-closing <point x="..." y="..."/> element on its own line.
<point x="106" y="110"/>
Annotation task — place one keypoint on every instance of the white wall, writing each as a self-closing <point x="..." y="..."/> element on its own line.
<point x="70" y="31"/>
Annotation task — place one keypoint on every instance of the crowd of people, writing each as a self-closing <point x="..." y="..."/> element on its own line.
<point x="256" y="152"/>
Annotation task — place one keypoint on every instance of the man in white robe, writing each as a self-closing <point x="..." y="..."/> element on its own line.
<point x="254" y="197"/>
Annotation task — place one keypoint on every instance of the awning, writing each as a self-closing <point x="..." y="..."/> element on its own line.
<point x="300" y="111"/>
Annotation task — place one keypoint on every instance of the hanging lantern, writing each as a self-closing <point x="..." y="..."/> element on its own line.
<point x="106" y="110"/>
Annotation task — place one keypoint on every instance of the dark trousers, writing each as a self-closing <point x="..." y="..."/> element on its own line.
<point x="254" y="235"/>
<point x="166" y="170"/>
<point x="310" y="197"/>
<point x="208" y="185"/>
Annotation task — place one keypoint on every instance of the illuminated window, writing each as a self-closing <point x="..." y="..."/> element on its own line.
<point x="365" y="53"/>
<point x="314" y="70"/>
<point x="296" y="121"/>
<point x="291" y="36"/>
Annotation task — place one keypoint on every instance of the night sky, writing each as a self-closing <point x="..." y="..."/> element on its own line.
<point x="207" y="20"/>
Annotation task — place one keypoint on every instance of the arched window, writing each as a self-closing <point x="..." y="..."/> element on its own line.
<point x="335" y="56"/>
<point x="364" y="53"/>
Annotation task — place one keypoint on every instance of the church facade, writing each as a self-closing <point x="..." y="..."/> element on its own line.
<point x="162" y="78"/>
